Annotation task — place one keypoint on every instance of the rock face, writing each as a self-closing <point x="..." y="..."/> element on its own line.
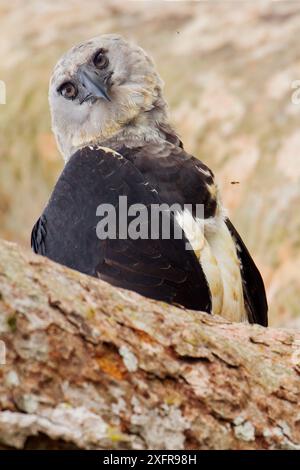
<point x="94" y="367"/>
<point x="229" y="74"/>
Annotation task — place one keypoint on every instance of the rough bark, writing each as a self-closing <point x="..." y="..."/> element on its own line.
<point x="90" y="366"/>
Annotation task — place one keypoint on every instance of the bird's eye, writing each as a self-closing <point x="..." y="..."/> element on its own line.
<point x="100" y="60"/>
<point x="68" y="90"/>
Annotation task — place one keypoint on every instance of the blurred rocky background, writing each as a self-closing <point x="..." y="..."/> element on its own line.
<point x="228" y="68"/>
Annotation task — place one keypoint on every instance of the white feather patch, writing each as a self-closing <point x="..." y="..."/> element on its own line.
<point x="214" y="247"/>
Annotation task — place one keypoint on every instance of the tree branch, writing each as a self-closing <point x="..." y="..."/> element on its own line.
<point x="91" y="366"/>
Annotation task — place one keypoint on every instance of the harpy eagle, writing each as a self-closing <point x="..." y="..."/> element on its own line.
<point x="110" y="121"/>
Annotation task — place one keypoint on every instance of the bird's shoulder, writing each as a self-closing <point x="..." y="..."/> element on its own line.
<point x="177" y="176"/>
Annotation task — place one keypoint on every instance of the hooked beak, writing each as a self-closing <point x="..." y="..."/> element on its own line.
<point x="96" y="85"/>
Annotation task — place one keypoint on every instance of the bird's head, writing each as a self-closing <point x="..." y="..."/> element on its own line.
<point x="100" y="87"/>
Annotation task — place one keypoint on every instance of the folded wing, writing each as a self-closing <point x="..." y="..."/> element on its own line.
<point x="66" y="232"/>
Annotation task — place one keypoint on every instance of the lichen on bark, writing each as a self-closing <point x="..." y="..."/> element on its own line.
<point x="94" y="367"/>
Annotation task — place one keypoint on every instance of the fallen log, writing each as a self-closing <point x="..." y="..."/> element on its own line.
<point x="94" y="367"/>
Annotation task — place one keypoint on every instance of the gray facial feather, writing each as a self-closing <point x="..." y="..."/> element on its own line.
<point x="136" y="105"/>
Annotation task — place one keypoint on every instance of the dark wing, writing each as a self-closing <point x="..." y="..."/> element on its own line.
<point x="66" y="232"/>
<point x="177" y="176"/>
<point x="180" y="178"/>
<point x="253" y="286"/>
